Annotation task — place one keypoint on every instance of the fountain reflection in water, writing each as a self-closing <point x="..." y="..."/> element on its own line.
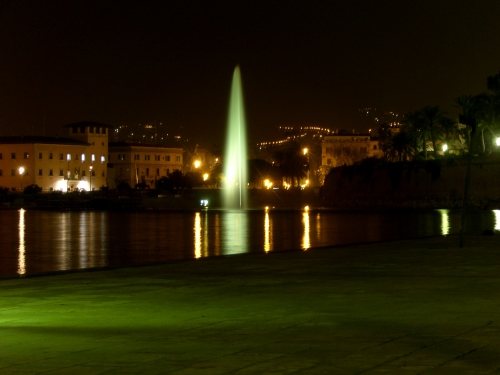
<point x="235" y="170"/>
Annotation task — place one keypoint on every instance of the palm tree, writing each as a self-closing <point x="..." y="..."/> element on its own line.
<point x="401" y="146"/>
<point x="432" y="116"/>
<point x="449" y="127"/>
<point x="414" y="125"/>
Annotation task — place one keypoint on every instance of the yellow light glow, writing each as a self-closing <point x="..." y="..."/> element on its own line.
<point x="305" y="150"/>
<point x="445" y="222"/>
<point x="497" y="219"/>
<point x="268" y="184"/>
<point x="21" y="170"/>
<point x="197" y="163"/>
<point x="497" y="141"/>
<point x="306" y="241"/>
<point x="21" y="263"/>
<point x="197" y="236"/>
<point x="205" y="177"/>
<point x="268" y="236"/>
<point x="445" y="147"/>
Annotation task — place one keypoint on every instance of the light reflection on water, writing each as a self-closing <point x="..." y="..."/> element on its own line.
<point x="497" y="219"/>
<point x="40" y="241"/>
<point x="445" y="222"/>
<point x="21" y="269"/>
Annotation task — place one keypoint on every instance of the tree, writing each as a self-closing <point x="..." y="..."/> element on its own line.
<point x="292" y="162"/>
<point x="414" y="125"/>
<point x="431" y="117"/>
<point x="401" y="146"/>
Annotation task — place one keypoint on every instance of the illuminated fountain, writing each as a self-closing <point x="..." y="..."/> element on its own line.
<point x="235" y="169"/>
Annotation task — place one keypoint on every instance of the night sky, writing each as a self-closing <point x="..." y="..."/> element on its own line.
<point x="303" y="63"/>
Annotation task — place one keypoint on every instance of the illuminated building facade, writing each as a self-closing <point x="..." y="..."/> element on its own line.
<point x="134" y="163"/>
<point x="75" y="162"/>
<point x="346" y="149"/>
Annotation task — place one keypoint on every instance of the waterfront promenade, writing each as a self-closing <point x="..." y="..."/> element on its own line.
<point x="408" y="307"/>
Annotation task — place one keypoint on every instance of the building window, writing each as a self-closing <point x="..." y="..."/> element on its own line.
<point x="157" y="157"/>
<point x="167" y="158"/>
<point x="103" y="174"/>
<point x="374" y="147"/>
<point x="40" y="172"/>
<point x="26" y="155"/>
<point x="40" y="155"/>
<point x="84" y="173"/>
<point x="51" y="173"/>
<point x="68" y="157"/>
<point x="146" y="157"/>
<point x="76" y="156"/>
<point x="91" y="129"/>
<point x="103" y="130"/>
<point x="136" y="156"/>
<point x="83" y="157"/>
<point x="168" y="171"/>
<point x="1" y="173"/>
<point x="13" y="155"/>
<point x="61" y="173"/>
<point x="121" y="156"/>
<point x="157" y="171"/>
<point x="1" y="156"/>
<point x="102" y="158"/>
<point x="147" y="171"/>
<point x="93" y="157"/>
<point x="97" y="130"/>
<point x="51" y="156"/>
<point x="177" y="158"/>
<point x="93" y="173"/>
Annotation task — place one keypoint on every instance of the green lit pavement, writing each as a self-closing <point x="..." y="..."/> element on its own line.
<point x="395" y="308"/>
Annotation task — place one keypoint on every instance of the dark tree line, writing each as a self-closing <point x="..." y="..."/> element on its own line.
<point x="424" y="132"/>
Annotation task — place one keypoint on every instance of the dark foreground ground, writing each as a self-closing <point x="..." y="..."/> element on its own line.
<point x="407" y="307"/>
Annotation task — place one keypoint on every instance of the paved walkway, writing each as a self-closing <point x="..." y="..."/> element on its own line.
<point x="407" y="307"/>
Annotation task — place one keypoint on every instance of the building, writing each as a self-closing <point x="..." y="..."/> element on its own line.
<point x="134" y="163"/>
<point x="346" y="149"/>
<point x="75" y="162"/>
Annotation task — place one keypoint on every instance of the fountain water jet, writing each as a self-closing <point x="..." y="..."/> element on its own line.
<point x="235" y="170"/>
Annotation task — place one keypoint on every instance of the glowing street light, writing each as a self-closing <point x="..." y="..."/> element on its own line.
<point x="197" y="164"/>
<point x="305" y="150"/>
<point x="90" y="178"/>
<point x="445" y="147"/>
<point x="497" y="141"/>
<point x="205" y="177"/>
<point x="21" y="173"/>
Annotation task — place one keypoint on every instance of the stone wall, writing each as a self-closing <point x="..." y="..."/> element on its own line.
<point x="415" y="184"/>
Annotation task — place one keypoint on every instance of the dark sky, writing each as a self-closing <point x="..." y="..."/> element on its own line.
<point x="302" y="62"/>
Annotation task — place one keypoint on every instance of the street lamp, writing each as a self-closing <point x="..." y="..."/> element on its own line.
<point x="90" y="178"/>
<point x="21" y="173"/>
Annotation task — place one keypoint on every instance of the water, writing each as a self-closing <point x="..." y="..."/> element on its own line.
<point x="36" y="242"/>
<point x="235" y="157"/>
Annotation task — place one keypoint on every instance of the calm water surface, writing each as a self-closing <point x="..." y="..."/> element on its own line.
<point x="44" y="241"/>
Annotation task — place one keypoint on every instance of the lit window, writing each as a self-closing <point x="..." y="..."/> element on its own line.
<point x="68" y="157"/>
<point x="26" y="155"/>
<point x="93" y="157"/>
<point x="83" y="157"/>
<point x="102" y="158"/>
